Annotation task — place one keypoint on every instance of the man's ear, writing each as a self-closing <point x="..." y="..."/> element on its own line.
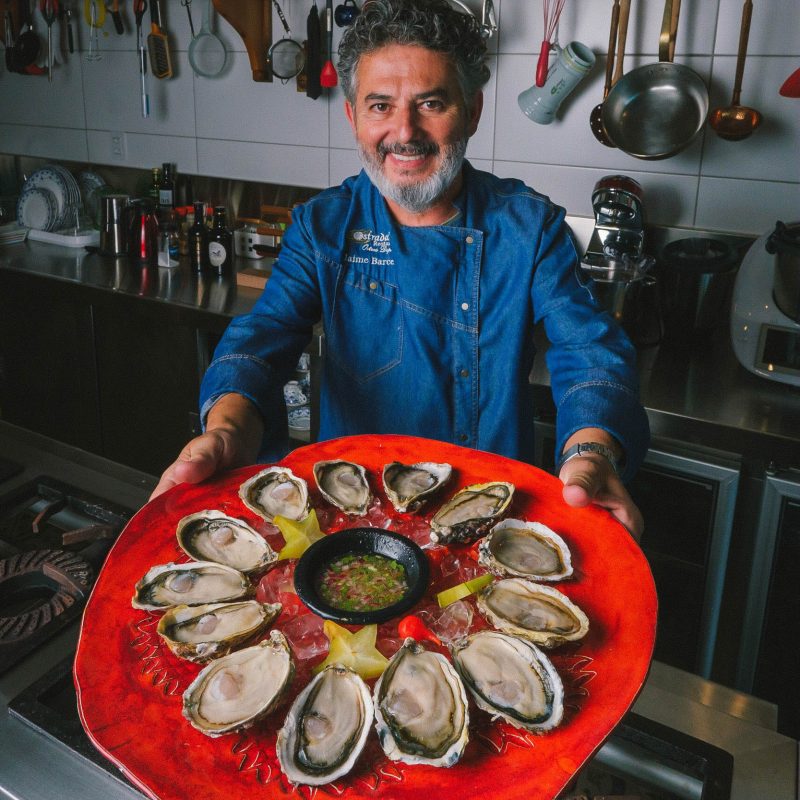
<point x="474" y="114"/>
<point x="350" y="114"/>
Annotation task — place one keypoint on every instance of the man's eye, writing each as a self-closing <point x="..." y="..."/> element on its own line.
<point x="433" y="105"/>
<point x="379" y="107"/>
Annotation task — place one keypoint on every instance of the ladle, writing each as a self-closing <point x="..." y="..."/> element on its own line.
<point x="596" y="117"/>
<point x="735" y="122"/>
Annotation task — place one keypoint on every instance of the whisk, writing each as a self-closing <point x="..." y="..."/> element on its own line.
<point x="551" y="18"/>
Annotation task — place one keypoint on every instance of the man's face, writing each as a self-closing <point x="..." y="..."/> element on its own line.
<point x="411" y="123"/>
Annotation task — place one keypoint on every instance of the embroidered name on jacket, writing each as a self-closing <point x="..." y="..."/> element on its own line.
<point x="368" y="245"/>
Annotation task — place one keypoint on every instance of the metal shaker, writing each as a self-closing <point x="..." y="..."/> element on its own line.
<point x="114" y="224"/>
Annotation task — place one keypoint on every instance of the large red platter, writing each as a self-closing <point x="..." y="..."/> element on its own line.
<point x="129" y="685"/>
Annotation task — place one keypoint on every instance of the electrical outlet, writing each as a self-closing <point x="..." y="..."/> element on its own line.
<point x="118" y="145"/>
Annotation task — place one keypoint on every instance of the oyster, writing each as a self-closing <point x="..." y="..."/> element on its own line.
<point x="234" y="691"/>
<point x="408" y="486"/>
<point x="190" y="584"/>
<point x="421" y="708"/>
<point x="200" y="633"/>
<point x="468" y="514"/>
<point x="526" y="549"/>
<point x="538" y="612"/>
<point x="214" y="536"/>
<point x="344" y="484"/>
<point x="510" y="678"/>
<point x="275" y="491"/>
<point x="326" y="727"/>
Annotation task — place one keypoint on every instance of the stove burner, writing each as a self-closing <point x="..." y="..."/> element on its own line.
<point x="53" y="541"/>
<point x="39" y="587"/>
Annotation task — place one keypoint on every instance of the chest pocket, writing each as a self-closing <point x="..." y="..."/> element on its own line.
<point x="366" y="329"/>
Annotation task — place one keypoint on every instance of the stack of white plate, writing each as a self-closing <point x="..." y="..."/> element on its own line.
<point x="50" y="199"/>
<point x="12" y="233"/>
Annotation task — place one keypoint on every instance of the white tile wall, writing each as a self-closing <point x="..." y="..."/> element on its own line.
<point x="232" y="126"/>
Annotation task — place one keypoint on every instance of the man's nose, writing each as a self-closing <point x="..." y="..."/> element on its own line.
<point x="407" y="124"/>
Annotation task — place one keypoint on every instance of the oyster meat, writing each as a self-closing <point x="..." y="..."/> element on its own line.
<point x="275" y="491"/>
<point x="234" y="691"/>
<point x="525" y="549"/>
<point x="214" y="536"/>
<point x="538" y="612"/>
<point x="326" y="728"/>
<point x="468" y="514"/>
<point x="510" y="678"/>
<point x="409" y="486"/>
<point x="191" y="584"/>
<point x="421" y="708"/>
<point x="200" y="633"/>
<point x="343" y="484"/>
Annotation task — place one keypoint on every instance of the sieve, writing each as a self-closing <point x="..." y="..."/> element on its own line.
<point x="207" y="53"/>
<point x="286" y="56"/>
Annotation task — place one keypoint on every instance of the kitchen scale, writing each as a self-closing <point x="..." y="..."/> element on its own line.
<point x="764" y="339"/>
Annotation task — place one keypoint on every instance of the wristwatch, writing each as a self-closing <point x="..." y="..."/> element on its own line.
<point x="589" y="447"/>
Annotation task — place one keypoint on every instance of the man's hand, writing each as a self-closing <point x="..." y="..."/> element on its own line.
<point x="590" y="478"/>
<point x="232" y="438"/>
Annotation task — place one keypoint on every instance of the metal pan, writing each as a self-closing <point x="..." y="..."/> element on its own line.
<point x="655" y="111"/>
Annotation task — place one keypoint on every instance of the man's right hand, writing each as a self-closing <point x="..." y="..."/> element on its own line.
<point x="232" y="439"/>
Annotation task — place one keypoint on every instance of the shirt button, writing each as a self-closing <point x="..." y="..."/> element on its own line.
<point x="373" y="285"/>
<point x="470" y="240"/>
<point x="462" y="437"/>
<point x="464" y="373"/>
<point x="465" y="306"/>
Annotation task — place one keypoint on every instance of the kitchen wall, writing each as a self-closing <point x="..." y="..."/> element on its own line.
<point x="231" y="126"/>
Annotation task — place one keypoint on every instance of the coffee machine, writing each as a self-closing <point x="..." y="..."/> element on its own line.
<point x="616" y="262"/>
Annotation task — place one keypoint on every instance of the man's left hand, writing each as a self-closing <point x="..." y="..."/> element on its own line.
<point x="591" y="479"/>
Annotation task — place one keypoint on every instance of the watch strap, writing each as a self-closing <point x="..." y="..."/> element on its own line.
<point x="589" y="447"/>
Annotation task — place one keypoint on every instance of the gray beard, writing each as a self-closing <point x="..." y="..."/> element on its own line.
<point x="420" y="196"/>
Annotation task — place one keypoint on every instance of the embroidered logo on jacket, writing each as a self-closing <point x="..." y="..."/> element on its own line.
<point x="369" y="245"/>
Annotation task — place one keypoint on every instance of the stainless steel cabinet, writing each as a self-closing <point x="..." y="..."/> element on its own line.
<point x="688" y="499"/>
<point x="769" y="657"/>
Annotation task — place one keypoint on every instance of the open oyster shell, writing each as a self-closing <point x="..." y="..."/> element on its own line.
<point x="275" y="491"/>
<point x="234" y="691"/>
<point x="525" y="549"/>
<point x="214" y="536"/>
<point x="409" y="486"/>
<point x="200" y="633"/>
<point x="468" y="514"/>
<point x="532" y="610"/>
<point x="510" y="678"/>
<point x="190" y="584"/>
<point x="344" y="484"/>
<point x="421" y="708"/>
<point x="326" y="728"/>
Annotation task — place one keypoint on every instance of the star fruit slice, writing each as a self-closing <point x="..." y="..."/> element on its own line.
<point x="299" y="534"/>
<point x="355" y="650"/>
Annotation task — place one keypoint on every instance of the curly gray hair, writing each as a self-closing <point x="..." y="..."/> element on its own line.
<point x="434" y="24"/>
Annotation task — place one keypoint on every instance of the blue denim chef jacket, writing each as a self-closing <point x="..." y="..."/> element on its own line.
<point x="429" y="330"/>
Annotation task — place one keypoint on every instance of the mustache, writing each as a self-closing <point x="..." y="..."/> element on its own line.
<point x="408" y="149"/>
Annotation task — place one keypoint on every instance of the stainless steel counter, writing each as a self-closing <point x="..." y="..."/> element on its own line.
<point x="695" y="393"/>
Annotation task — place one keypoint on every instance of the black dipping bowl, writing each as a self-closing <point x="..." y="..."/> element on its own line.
<point x="361" y="541"/>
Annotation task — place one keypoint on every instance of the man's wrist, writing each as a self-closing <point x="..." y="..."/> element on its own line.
<point x="586" y="448"/>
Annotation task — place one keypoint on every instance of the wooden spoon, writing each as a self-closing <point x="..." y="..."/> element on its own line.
<point x="735" y="122"/>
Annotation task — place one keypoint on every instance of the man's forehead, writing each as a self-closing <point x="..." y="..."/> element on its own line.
<point x="394" y="68"/>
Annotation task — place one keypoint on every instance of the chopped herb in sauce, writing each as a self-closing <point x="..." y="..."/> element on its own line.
<point x="362" y="582"/>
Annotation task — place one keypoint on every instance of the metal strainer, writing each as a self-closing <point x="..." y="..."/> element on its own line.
<point x="286" y="56"/>
<point x="207" y="53"/>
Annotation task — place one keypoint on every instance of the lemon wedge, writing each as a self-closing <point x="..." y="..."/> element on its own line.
<point x="461" y="590"/>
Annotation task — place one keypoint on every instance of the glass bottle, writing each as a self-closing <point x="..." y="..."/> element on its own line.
<point x="166" y="192"/>
<point x="220" y="243"/>
<point x="197" y="238"/>
<point x="155" y="186"/>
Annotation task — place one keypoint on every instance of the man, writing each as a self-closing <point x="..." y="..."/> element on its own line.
<point x="429" y="277"/>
